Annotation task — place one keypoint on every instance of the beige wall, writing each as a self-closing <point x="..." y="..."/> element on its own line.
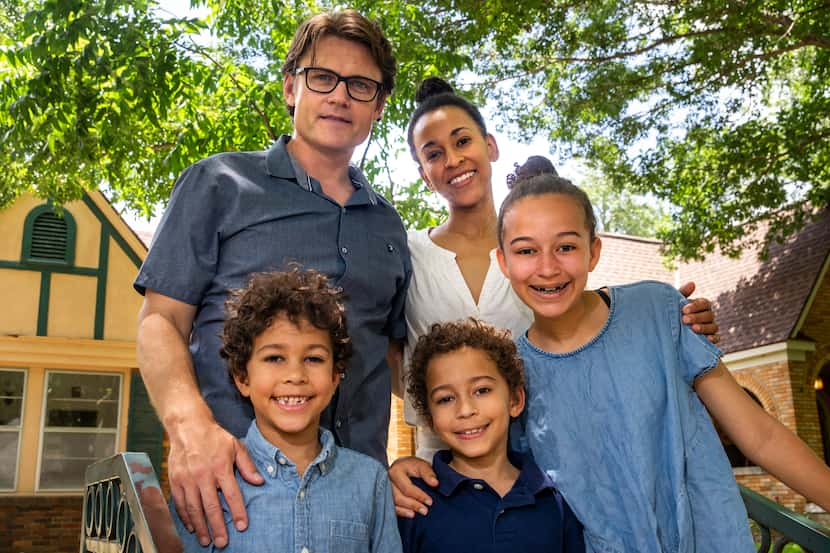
<point x="19" y="297"/>
<point x="72" y="306"/>
<point x="122" y="301"/>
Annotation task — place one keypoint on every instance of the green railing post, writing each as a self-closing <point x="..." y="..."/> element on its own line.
<point x="794" y="528"/>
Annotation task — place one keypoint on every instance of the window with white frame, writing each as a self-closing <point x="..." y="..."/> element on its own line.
<point x="80" y="426"/>
<point x="12" y="388"/>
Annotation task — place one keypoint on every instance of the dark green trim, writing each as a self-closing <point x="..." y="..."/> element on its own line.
<point x="83" y="271"/>
<point x="43" y="304"/>
<point x="113" y="231"/>
<point x="101" y="292"/>
<point x="28" y="226"/>
<point x="144" y="431"/>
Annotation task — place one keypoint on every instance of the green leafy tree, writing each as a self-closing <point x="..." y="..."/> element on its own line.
<point x="719" y="108"/>
<point x="620" y="211"/>
<point x="123" y="96"/>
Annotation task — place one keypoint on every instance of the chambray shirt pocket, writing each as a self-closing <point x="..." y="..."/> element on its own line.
<point x="348" y="536"/>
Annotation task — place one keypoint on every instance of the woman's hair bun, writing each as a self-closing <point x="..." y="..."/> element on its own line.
<point x="432" y="86"/>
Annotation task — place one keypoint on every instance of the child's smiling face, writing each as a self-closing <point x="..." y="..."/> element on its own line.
<point x="548" y="252"/>
<point x="470" y="404"/>
<point x="291" y="379"/>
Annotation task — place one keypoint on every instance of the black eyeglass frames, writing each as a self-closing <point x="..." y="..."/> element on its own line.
<point x="319" y="79"/>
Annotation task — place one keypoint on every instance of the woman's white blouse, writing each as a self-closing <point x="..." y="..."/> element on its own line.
<point x="438" y="293"/>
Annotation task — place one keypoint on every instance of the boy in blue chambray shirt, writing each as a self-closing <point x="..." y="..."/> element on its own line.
<point x="286" y="344"/>
<point x="467" y="380"/>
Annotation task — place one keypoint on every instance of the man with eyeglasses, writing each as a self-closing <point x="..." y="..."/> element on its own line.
<point x="234" y="214"/>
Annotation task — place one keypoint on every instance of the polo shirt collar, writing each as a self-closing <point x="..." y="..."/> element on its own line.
<point x="261" y="448"/>
<point x="280" y="164"/>
<point x="531" y="479"/>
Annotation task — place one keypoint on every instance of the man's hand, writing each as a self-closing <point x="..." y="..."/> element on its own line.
<point x="202" y="454"/>
<point x="198" y="466"/>
<point x="408" y="497"/>
<point x="699" y="315"/>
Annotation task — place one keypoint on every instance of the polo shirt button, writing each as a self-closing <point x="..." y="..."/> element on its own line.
<point x="282" y="460"/>
<point x="338" y="423"/>
<point x="478" y="486"/>
<point x="345" y="250"/>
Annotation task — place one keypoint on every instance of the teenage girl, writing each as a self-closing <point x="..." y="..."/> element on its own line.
<point x="455" y="272"/>
<point x="618" y="393"/>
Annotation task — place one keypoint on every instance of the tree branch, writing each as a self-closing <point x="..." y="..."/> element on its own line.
<point x="200" y="51"/>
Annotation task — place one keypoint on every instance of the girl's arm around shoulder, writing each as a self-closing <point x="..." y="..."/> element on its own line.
<point x="762" y="438"/>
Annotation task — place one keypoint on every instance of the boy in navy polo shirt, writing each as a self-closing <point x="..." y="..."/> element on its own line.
<point x="466" y="379"/>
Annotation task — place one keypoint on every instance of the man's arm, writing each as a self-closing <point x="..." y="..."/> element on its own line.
<point x="394" y="358"/>
<point x="202" y="454"/>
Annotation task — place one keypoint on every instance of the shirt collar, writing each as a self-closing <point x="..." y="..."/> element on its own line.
<point x="531" y="479"/>
<point x="280" y="164"/>
<point x="265" y="453"/>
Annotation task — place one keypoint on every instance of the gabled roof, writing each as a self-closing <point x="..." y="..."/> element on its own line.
<point x="756" y="302"/>
<point x="626" y="259"/>
<point x="124" y="233"/>
<point x="761" y="302"/>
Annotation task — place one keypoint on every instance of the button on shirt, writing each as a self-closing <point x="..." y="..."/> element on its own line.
<point x="234" y="214"/>
<point x="467" y="515"/>
<point x="341" y="504"/>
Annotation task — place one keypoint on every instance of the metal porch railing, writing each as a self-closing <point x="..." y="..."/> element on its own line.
<point x="792" y="527"/>
<point x="124" y="510"/>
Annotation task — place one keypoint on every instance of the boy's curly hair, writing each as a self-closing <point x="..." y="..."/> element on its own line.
<point x="298" y="294"/>
<point x="452" y="336"/>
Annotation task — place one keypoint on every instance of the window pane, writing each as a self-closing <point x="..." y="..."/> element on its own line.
<point x="82" y="400"/>
<point x="79" y="427"/>
<point x="11" y="397"/>
<point x="8" y="459"/>
<point x="11" y="411"/>
<point x="67" y="454"/>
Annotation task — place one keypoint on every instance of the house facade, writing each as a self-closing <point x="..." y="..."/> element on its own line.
<point x="70" y="392"/>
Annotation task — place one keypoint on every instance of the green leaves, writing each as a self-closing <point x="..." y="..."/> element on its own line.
<point x="719" y="109"/>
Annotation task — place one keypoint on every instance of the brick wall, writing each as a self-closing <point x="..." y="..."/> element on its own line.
<point x="787" y="393"/>
<point x="30" y="524"/>
<point x="816" y="327"/>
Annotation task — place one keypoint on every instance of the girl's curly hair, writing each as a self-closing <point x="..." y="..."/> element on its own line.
<point x="299" y="295"/>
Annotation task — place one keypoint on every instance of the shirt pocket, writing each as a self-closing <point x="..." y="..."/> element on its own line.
<point x="349" y="537"/>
